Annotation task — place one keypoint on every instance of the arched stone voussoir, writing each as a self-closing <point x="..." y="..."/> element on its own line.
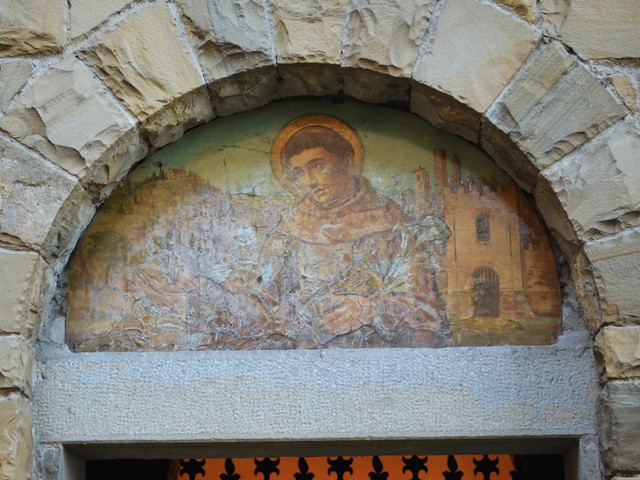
<point x="43" y="208"/>
<point x="615" y="261"/>
<point x="552" y="106"/>
<point x="148" y="65"/>
<point x="70" y="118"/>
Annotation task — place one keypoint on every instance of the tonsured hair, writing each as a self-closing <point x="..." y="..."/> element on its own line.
<point x="314" y="137"/>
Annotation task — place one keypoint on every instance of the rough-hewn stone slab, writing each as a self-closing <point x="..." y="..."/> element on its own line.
<point x="70" y="118"/>
<point x="475" y="66"/>
<point x="244" y="91"/>
<point x="85" y="15"/>
<point x="616" y="263"/>
<point x="23" y="276"/>
<point x="619" y="348"/>
<point x="231" y="36"/>
<point x="384" y="36"/>
<point x="523" y="392"/>
<point x="13" y="76"/>
<point x="30" y="27"/>
<point x="621" y="437"/>
<point x="313" y="79"/>
<point x="16" y="441"/>
<point x="553" y="14"/>
<point x="144" y="61"/>
<point x="608" y="29"/>
<point x="309" y="30"/>
<point x="524" y="8"/>
<point x="29" y="185"/>
<point x="373" y="87"/>
<point x="598" y="185"/>
<point x="16" y="363"/>
<point x="553" y="106"/>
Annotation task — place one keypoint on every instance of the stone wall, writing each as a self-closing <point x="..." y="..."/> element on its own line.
<point x="548" y="88"/>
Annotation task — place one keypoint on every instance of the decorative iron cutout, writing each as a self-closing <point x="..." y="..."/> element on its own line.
<point x="486" y="466"/>
<point x="340" y="466"/>
<point x="415" y="465"/>
<point x="192" y="467"/>
<point x="304" y="473"/>
<point x="267" y="467"/>
<point x="453" y="473"/>
<point x="378" y="473"/>
<point x="229" y="471"/>
<point x="521" y="472"/>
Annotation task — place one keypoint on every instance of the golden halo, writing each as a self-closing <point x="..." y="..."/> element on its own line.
<point x="309" y="120"/>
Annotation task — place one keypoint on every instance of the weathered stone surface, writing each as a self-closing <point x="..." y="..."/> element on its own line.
<point x="598" y="185"/>
<point x="475" y="66"/>
<point x="23" y="276"/>
<point x="309" y="30"/>
<point x="13" y="76"/>
<point x="619" y="349"/>
<point x="384" y="36"/>
<point x="244" y="91"/>
<point x="16" y="441"/>
<point x="553" y="13"/>
<point x="85" y="15"/>
<point x="507" y="155"/>
<point x="230" y="36"/>
<point x="555" y="217"/>
<point x="553" y="106"/>
<point x="29" y="185"/>
<point x="309" y="79"/>
<point x="616" y="262"/>
<point x="16" y="363"/>
<point x="145" y="63"/>
<point x="445" y="112"/>
<point x="32" y="27"/>
<point x="620" y="427"/>
<point x="69" y="117"/>
<point x="603" y="29"/>
<point x="524" y="8"/>
<point x="373" y="87"/>
<point x="625" y="87"/>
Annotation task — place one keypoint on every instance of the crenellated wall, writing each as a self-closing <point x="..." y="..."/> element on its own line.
<point x="550" y="89"/>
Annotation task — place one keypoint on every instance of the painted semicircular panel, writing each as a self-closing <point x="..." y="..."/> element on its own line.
<point x="313" y="224"/>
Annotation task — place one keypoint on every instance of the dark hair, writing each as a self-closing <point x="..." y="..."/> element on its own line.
<point x="314" y="137"/>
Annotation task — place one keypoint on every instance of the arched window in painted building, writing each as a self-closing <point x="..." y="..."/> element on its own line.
<point x="483" y="232"/>
<point x="486" y="292"/>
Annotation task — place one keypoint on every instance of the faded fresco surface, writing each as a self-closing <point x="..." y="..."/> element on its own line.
<point x="353" y="226"/>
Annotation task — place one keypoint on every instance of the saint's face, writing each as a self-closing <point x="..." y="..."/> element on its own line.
<point x="323" y="176"/>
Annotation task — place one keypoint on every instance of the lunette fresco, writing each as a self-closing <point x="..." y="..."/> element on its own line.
<point x="314" y="225"/>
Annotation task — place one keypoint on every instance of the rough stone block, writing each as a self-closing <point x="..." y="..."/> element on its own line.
<point x="608" y="29"/>
<point x="444" y="111"/>
<point x="619" y="350"/>
<point x="553" y="13"/>
<point x="16" y="363"/>
<point x="85" y="15"/>
<point x="309" y="30"/>
<point x="373" y="87"/>
<point x="384" y="36"/>
<point x="23" y="278"/>
<point x="13" y="76"/>
<point x="16" y="440"/>
<point x="624" y="85"/>
<point x="144" y="61"/>
<point x="29" y="185"/>
<point x="474" y="66"/>
<point x="309" y="79"/>
<point x="32" y="27"/>
<point x="524" y="8"/>
<point x="230" y="36"/>
<point x="620" y="425"/>
<point x="616" y="262"/>
<point x="507" y="155"/>
<point x="598" y="185"/>
<point x="69" y="117"/>
<point x="244" y="91"/>
<point x="553" y="106"/>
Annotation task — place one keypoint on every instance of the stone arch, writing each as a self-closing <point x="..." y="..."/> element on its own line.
<point x="513" y="93"/>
